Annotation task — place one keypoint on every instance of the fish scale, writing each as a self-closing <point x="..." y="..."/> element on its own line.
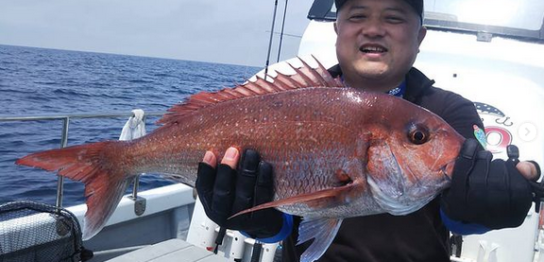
<point x="336" y="151"/>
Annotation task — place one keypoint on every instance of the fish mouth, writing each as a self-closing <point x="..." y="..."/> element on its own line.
<point x="447" y="170"/>
<point x="372" y="48"/>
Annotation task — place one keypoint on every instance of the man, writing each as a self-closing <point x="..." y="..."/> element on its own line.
<point x="377" y="44"/>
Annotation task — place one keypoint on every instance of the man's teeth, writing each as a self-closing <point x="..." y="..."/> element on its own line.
<point x="373" y="49"/>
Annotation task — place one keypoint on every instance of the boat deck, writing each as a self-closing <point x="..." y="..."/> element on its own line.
<point x="170" y="251"/>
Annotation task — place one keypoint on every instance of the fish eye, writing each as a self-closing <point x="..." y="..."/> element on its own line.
<point x="418" y="134"/>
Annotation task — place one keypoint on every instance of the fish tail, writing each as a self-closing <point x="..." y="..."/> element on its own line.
<point x="94" y="165"/>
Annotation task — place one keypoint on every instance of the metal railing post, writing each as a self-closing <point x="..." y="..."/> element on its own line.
<point x="135" y="187"/>
<point x="63" y="143"/>
<point x="139" y="202"/>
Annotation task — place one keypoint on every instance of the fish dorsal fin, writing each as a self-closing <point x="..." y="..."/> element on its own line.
<point x="304" y="77"/>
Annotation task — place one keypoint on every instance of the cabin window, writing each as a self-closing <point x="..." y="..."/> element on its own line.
<point x="520" y="19"/>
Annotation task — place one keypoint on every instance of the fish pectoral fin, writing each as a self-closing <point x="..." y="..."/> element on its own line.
<point x="322" y="231"/>
<point x="330" y="194"/>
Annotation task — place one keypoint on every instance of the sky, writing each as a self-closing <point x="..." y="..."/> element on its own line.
<point x="219" y="31"/>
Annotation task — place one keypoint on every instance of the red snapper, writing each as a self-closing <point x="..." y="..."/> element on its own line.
<point x="336" y="151"/>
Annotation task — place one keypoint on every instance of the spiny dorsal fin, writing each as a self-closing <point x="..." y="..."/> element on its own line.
<point x="304" y="77"/>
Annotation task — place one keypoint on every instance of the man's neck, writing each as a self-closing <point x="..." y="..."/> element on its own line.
<point x="373" y="84"/>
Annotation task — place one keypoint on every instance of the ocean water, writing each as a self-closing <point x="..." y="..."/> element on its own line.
<point x="35" y="81"/>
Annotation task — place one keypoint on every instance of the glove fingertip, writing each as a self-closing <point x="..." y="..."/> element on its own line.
<point x="265" y="177"/>
<point x="469" y="148"/>
<point x="264" y="188"/>
<point x="250" y="160"/>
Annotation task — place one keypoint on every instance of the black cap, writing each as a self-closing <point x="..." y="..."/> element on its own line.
<point x="416" y="4"/>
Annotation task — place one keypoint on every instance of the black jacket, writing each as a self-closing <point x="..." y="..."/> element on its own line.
<point x="419" y="236"/>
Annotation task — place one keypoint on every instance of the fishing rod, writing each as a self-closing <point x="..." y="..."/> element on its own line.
<point x="270" y="42"/>
<point x="282" y="27"/>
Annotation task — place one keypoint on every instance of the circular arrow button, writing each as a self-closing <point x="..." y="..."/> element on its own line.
<point x="527" y="132"/>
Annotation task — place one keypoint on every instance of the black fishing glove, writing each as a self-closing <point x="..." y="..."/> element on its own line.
<point x="488" y="192"/>
<point x="225" y="192"/>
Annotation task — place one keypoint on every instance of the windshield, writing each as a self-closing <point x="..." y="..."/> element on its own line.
<point x="521" y="19"/>
<point x="519" y="14"/>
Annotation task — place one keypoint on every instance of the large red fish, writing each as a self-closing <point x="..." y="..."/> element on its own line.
<point x="336" y="151"/>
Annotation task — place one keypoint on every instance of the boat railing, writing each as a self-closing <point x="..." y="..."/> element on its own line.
<point x="66" y="118"/>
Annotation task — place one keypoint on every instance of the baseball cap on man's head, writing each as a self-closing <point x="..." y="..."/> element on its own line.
<point x="417" y="5"/>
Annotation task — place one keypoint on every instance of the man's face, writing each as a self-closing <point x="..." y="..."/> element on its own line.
<point x="378" y="40"/>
